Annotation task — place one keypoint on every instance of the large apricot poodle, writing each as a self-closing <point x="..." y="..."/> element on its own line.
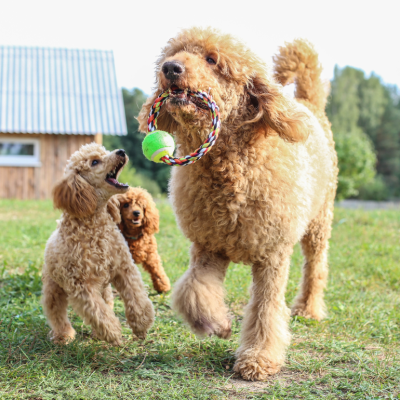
<point x="139" y="222"/>
<point x="87" y="252"/>
<point x="269" y="182"/>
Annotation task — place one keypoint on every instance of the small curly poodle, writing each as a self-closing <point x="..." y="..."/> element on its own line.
<point x="268" y="182"/>
<point x="87" y="252"/>
<point x="139" y="223"/>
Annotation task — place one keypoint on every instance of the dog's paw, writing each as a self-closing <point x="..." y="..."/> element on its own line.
<point x="255" y="368"/>
<point x="112" y="335"/>
<point x="142" y="322"/>
<point x="161" y="285"/>
<point x="64" y="337"/>
<point x="309" y="310"/>
<point x="117" y="342"/>
<point x="204" y="327"/>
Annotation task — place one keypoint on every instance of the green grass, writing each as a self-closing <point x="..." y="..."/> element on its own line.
<point x="353" y="354"/>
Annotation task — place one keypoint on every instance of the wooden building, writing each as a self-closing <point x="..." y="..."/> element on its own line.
<point x="52" y="101"/>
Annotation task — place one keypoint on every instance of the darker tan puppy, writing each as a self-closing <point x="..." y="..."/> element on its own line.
<point x="139" y="223"/>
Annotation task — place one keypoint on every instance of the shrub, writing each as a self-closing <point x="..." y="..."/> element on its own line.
<point x="357" y="162"/>
<point x="374" y="190"/>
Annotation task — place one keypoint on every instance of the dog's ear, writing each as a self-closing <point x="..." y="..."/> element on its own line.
<point x="164" y="121"/>
<point x="75" y="195"/>
<point x="275" y="111"/>
<point x="151" y="216"/>
<point x="113" y="208"/>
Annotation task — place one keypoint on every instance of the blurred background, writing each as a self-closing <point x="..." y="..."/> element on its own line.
<point x="77" y="71"/>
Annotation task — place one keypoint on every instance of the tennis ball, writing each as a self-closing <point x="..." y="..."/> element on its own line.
<point x="157" y="145"/>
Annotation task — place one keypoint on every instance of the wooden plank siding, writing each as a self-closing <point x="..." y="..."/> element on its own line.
<point x="37" y="182"/>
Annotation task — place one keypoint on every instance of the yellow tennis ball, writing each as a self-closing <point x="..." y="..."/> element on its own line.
<point x="157" y="145"/>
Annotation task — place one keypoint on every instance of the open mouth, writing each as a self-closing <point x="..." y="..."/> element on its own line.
<point x="181" y="97"/>
<point x="135" y="222"/>
<point x="112" y="176"/>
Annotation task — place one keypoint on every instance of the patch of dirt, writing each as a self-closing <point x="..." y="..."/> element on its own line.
<point x="285" y="377"/>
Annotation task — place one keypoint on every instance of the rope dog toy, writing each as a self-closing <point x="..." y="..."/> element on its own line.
<point x="158" y="146"/>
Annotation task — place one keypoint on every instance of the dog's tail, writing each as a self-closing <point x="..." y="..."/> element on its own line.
<point x="298" y="62"/>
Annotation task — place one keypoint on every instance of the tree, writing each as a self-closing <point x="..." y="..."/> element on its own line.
<point x="364" y="104"/>
<point x="343" y="107"/>
<point x="356" y="155"/>
<point x="386" y="138"/>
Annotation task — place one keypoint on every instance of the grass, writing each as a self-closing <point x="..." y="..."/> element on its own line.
<point x="354" y="354"/>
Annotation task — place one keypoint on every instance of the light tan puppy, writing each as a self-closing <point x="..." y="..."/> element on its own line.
<point x="87" y="252"/>
<point x="268" y="182"/>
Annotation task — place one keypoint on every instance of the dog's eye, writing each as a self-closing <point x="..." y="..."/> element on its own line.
<point x="210" y="60"/>
<point x="126" y="205"/>
<point x="95" y="162"/>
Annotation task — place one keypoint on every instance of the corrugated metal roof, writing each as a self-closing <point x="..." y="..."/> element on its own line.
<point x="44" y="90"/>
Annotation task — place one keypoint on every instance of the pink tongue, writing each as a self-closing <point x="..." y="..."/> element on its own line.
<point x="113" y="180"/>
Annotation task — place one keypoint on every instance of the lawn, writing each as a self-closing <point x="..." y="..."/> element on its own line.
<point x="353" y="354"/>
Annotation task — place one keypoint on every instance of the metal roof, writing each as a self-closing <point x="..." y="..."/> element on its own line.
<point x="44" y="90"/>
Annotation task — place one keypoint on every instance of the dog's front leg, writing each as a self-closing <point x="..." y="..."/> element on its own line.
<point x="90" y="305"/>
<point x="55" y="304"/>
<point x="154" y="267"/>
<point x="138" y="307"/>
<point x="199" y="295"/>
<point x="265" y="333"/>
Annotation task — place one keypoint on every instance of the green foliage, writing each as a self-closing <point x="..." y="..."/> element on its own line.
<point x="357" y="161"/>
<point x="343" y="105"/>
<point x="132" y="142"/>
<point x="134" y="179"/>
<point x="364" y="104"/>
<point x="375" y="190"/>
<point x="353" y="354"/>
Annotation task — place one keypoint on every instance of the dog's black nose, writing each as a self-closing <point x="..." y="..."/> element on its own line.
<point x="136" y="213"/>
<point x="121" y="153"/>
<point x="172" y="70"/>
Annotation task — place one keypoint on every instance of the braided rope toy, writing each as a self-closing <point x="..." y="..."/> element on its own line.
<point x="157" y="145"/>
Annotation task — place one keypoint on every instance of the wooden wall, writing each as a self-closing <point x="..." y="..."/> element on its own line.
<point x="38" y="182"/>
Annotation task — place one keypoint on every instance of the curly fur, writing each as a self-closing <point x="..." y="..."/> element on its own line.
<point x="138" y="230"/>
<point x="269" y="181"/>
<point x="86" y="253"/>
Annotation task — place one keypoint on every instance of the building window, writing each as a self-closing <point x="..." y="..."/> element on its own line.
<point x="19" y="152"/>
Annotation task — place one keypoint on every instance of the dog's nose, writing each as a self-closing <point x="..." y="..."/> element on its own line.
<point x="136" y="213"/>
<point x="172" y="70"/>
<point x="121" y="153"/>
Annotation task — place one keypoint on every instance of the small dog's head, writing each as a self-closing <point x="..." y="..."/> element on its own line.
<point x="90" y="179"/>
<point x="138" y="212"/>
<point x="240" y="83"/>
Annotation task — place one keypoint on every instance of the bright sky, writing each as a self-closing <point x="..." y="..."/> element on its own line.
<point x="360" y="33"/>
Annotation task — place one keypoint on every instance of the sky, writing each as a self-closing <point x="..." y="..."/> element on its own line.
<point x="362" y="34"/>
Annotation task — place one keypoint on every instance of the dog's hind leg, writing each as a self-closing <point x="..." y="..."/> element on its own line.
<point x="199" y="295"/>
<point x="55" y="304"/>
<point x="138" y="307"/>
<point x="265" y="331"/>
<point x="310" y="302"/>
<point x="90" y="305"/>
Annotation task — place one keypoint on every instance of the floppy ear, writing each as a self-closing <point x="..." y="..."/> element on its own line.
<point x="275" y="111"/>
<point x="151" y="216"/>
<point x="75" y="195"/>
<point x="113" y="209"/>
<point x="164" y="121"/>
